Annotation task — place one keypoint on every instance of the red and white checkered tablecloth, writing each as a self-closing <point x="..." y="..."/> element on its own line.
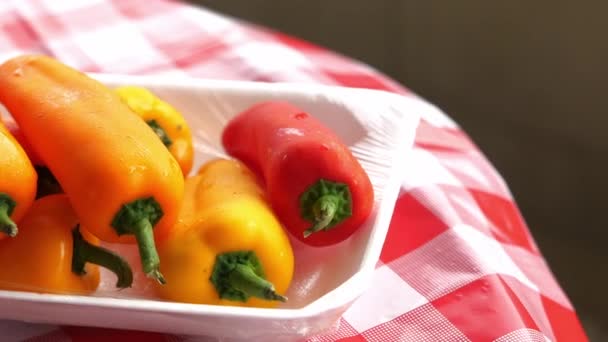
<point x="459" y="263"/>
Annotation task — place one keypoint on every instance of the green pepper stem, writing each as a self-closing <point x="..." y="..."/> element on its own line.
<point x="84" y="252"/>
<point x="150" y="260"/>
<point x="325" y="209"/>
<point x="243" y="278"/>
<point x="161" y="132"/>
<point x="7" y="226"/>
<point x="238" y="275"/>
<point x="138" y="218"/>
<point x="325" y="204"/>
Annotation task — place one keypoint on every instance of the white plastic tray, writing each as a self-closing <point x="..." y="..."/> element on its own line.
<point x="379" y="128"/>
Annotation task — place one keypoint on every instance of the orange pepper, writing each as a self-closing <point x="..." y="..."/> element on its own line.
<point x="122" y="181"/>
<point x="52" y="255"/>
<point x="47" y="184"/>
<point x="17" y="182"/>
<point x="13" y="128"/>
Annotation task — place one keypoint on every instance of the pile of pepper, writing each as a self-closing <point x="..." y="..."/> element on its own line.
<point x="83" y="163"/>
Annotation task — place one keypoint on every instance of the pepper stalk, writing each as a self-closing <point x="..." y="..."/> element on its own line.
<point x="325" y="204"/>
<point x="239" y="275"/>
<point x="138" y="218"/>
<point x="84" y="252"/>
<point x="7" y="205"/>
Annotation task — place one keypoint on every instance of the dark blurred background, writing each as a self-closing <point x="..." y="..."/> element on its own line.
<point x="525" y="79"/>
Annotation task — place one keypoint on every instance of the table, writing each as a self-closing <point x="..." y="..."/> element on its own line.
<point x="459" y="263"/>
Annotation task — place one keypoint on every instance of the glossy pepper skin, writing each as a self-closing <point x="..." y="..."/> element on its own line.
<point x="13" y="128"/>
<point x="47" y="183"/>
<point x="165" y="120"/>
<point x="18" y="180"/>
<point x="52" y="255"/>
<point x="121" y="180"/>
<point x="225" y="218"/>
<point x="316" y="186"/>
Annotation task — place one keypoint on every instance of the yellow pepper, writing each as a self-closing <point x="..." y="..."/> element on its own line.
<point x="228" y="247"/>
<point x="164" y="119"/>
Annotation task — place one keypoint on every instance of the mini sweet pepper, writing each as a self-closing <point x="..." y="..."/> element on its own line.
<point x="122" y="181"/>
<point x="228" y="247"/>
<point x="166" y="121"/>
<point x="17" y="182"/>
<point x="47" y="183"/>
<point x="52" y="254"/>
<point x="317" y="187"/>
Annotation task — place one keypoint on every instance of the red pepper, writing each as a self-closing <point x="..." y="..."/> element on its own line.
<point x="316" y="186"/>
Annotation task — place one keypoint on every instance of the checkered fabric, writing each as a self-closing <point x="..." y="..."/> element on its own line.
<point x="459" y="263"/>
